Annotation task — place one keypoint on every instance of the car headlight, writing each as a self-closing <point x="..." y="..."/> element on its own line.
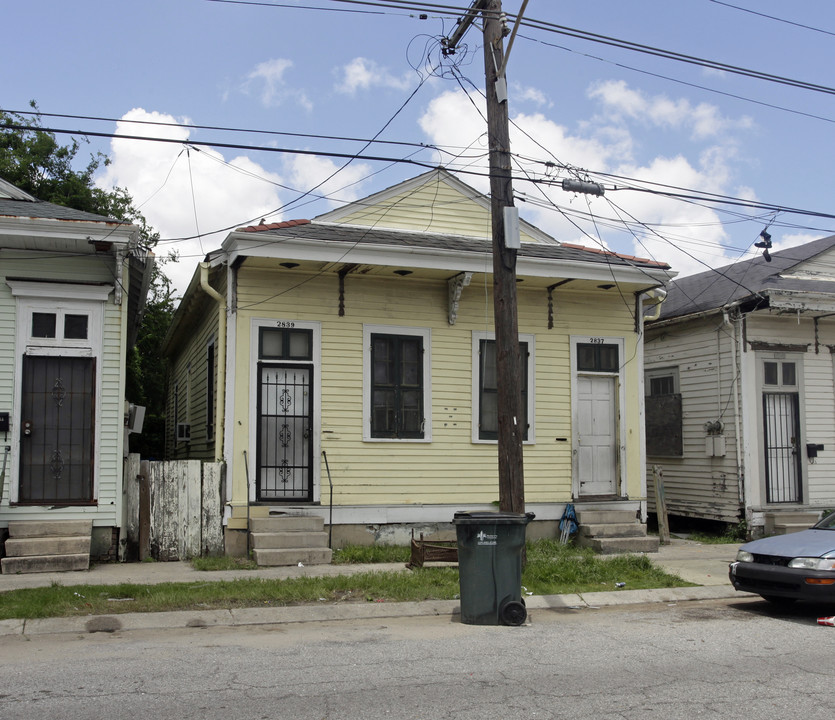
<point x="744" y="556"/>
<point x="810" y="563"/>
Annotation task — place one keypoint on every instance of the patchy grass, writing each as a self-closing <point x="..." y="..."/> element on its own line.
<point x="368" y="554"/>
<point x="555" y="569"/>
<point x="223" y="562"/>
<point x="552" y="568"/>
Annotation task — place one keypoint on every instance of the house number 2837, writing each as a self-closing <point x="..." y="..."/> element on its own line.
<point x="596" y="341"/>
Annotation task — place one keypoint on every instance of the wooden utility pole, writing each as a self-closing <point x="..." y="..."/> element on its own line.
<point x="511" y="429"/>
<point x="508" y="359"/>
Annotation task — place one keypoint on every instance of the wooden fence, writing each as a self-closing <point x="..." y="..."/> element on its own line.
<point x="173" y="509"/>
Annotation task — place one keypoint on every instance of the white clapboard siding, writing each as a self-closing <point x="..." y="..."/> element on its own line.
<point x="697" y="483"/>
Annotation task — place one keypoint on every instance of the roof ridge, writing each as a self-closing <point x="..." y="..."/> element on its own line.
<point x="273" y="226"/>
<point x="622" y="256"/>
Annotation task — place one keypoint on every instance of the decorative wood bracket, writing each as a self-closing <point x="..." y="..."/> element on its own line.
<point x="457" y="283"/>
<point x="551" y="289"/>
<point x="343" y="271"/>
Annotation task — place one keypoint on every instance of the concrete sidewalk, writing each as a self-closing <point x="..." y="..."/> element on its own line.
<point x="706" y="565"/>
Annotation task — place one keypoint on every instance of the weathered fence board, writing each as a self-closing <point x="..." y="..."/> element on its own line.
<point x="186" y="518"/>
<point x="129" y="547"/>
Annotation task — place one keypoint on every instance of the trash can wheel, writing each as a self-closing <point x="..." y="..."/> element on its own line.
<point x="513" y="612"/>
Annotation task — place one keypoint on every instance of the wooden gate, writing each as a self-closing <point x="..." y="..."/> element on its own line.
<point x="173" y="509"/>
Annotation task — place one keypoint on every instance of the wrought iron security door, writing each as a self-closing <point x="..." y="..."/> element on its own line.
<point x="285" y="421"/>
<point x="57" y="430"/>
<point x="782" y="459"/>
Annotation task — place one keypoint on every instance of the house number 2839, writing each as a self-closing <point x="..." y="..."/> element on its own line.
<point x="285" y="324"/>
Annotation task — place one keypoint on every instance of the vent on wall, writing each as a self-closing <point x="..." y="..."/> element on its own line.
<point x="183" y="432"/>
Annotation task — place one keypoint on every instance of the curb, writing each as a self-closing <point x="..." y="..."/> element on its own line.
<point x="247" y="617"/>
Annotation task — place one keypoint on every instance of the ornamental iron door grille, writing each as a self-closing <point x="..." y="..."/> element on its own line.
<point x="782" y="459"/>
<point x="285" y="421"/>
<point x="57" y="430"/>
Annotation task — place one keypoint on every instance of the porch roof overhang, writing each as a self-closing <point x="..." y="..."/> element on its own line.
<point x="327" y="248"/>
<point x="66" y="236"/>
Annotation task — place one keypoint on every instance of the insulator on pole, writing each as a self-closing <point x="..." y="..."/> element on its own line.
<point x="582" y="186"/>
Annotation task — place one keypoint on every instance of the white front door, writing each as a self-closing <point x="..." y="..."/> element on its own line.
<point x="596" y="436"/>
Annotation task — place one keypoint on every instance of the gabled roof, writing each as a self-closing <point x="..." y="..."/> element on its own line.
<point x="15" y="202"/>
<point x="435" y="201"/>
<point x="753" y="281"/>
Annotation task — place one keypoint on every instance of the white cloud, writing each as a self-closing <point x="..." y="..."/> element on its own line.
<point x="185" y="193"/>
<point x="267" y="79"/>
<point x="704" y="120"/>
<point x="529" y="94"/>
<point x="364" y="74"/>
<point x="687" y="236"/>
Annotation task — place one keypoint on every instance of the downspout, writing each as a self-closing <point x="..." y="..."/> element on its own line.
<point x="736" y="387"/>
<point x="659" y="294"/>
<point x="220" y="400"/>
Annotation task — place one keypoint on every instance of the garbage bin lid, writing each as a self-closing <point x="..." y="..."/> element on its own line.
<point x="497" y="518"/>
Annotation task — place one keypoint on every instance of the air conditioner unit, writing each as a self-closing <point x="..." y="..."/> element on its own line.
<point x="135" y="418"/>
<point x="183" y="432"/>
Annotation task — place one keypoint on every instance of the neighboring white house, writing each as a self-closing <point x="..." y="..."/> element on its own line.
<point x="72" y="287"/>
<point x="740" y="390"/>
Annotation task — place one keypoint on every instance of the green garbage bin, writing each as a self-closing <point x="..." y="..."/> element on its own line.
<point x="490" y="566"/>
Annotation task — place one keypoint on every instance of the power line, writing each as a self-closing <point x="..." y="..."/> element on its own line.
<point x="774" y="17"/>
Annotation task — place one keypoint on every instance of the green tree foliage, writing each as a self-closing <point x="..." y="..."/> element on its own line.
<point x="147" y="371"/>
<point x="32" y="159"/>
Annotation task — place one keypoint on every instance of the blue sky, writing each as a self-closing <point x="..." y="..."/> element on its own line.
<point x="350" y="70"/>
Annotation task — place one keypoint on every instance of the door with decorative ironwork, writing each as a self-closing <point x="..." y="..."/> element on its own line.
<point x="782" y="441"/>
<point x="57" y="430"/>
<point x="284" y="443"/>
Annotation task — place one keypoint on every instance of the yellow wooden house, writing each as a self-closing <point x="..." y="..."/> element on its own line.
<point x="344" y="368"/>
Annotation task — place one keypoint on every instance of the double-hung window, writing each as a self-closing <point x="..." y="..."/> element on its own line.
<point x="396" y="383"/>
<point x="485" y="387"/>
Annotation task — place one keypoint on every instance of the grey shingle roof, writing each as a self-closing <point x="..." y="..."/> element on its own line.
<point x="356" y="235"/>
<point x="712" y="289"/>
<point x="47" y="210"/>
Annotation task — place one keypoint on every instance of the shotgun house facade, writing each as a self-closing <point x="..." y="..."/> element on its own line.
<point x="740" y="385"/>
<point x="72" y="287"/>
<point x="344" y="367"/>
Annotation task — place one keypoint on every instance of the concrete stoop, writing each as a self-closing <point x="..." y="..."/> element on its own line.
<point x="289" y="540"/>
<point x="613" y="531"/>
<point x="48" y="546"/>
<point x="783" y="522"/>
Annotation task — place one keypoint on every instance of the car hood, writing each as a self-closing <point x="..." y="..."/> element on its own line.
<point x="806" y="543"/>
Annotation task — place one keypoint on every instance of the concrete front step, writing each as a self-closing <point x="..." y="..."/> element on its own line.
<point x="50" y="545"/>
<point x="35" y="546"/>
<point x="611" y="546"/>
<point x="781" y="528"/>
<point x="48" y="528"/>
<point x="45" y="563"/>
<point x="269" y="557"/>
<point x="610" y="530"/>
<point x="287" y="523"/>
<point x="280" y="540"/>
<point x="785" y="522"/>
<point x="598" y="517"/>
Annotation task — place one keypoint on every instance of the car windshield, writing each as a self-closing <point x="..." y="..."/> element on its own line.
<point x="828" y="523"/>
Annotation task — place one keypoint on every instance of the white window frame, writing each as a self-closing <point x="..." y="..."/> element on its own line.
<point x="668" y="371"/>
<point x="620" y="393"/>
<point x="58" y="298"/>
<point x="316" y="360"/>
<point x="426" y="335"/>
<point x="528" y="338"/>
